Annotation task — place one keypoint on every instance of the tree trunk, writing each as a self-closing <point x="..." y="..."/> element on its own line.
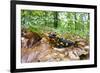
<point x="55" y="19"/>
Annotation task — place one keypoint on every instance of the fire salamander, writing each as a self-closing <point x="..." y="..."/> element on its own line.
<point x="59" y="42"/>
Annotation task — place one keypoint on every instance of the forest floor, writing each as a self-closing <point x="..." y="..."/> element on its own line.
<point x="44" y="52"/>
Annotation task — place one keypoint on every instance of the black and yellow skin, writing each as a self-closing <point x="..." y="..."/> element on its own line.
<point x="59" y="42"/>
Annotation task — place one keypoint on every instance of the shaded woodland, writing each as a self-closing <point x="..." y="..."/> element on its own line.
<point x="48" y="36"/>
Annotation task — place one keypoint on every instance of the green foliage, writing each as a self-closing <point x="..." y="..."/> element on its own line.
<point x="75" y="23"/>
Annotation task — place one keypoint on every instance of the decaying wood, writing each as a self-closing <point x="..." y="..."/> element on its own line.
<point x="44" y="52"/>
